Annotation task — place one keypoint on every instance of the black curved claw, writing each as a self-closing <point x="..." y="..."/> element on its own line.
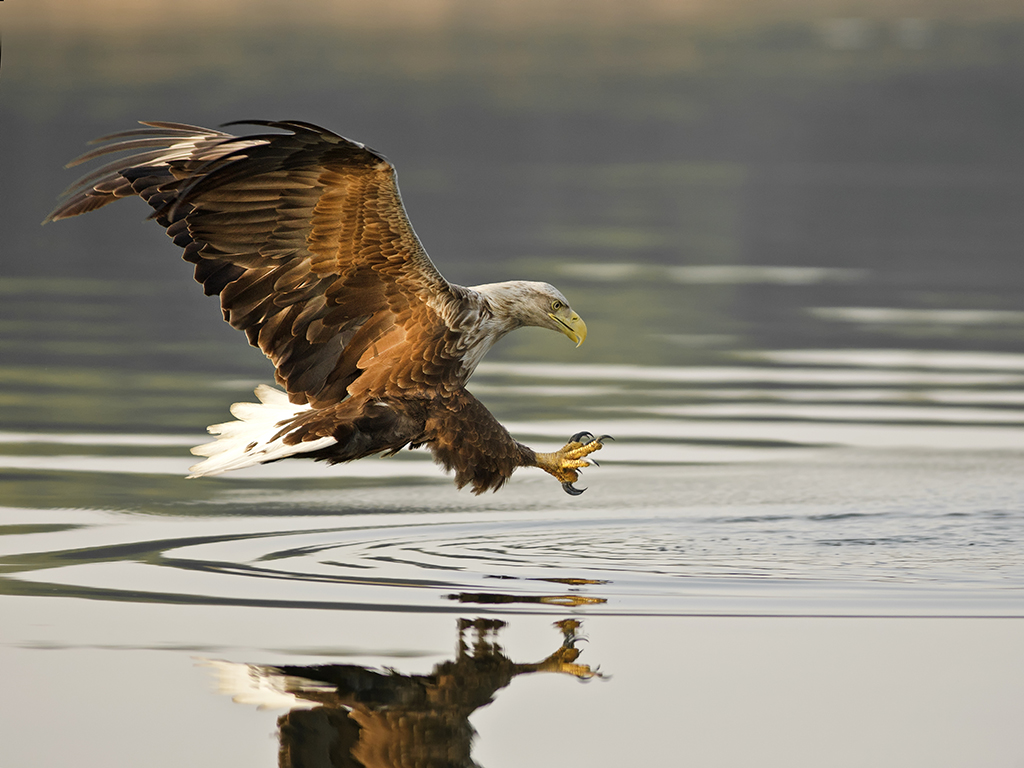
<point x="593" y="462"/>
<point x="602" y="438"/>
<point x="572" y="490"/>
<point x="581" y="437"/>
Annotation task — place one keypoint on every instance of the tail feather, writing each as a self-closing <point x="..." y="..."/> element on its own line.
<point x="255" y="437"/>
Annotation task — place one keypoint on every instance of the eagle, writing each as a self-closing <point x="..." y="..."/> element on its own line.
<point x="303" y="236"/>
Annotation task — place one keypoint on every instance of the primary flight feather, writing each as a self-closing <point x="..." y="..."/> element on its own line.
<point x="303" y="236"/>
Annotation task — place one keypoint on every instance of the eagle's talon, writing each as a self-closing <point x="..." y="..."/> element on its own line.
<point x="571" y="489"/>
<point x="566" y="463"/>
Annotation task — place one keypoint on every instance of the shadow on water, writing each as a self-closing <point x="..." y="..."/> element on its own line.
<point x="348" y="715"/>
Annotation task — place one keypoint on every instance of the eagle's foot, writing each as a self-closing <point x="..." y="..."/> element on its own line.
<point x="565" y="463"/>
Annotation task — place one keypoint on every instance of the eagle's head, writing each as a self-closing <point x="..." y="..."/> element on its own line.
<point x="522" y="302"/>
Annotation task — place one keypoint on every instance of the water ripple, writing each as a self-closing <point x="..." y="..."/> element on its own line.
<point x="808" y="561"/>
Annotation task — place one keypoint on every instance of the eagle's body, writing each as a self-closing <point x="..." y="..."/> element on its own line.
<point x="304" y="238"/>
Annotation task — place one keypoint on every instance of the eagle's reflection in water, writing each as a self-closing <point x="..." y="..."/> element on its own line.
<point x="346" y="716"/>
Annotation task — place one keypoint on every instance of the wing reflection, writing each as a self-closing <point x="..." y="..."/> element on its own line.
<point x="346" y="716"/>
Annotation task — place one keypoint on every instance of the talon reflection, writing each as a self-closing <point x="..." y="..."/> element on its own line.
<point x="347" y="715"/>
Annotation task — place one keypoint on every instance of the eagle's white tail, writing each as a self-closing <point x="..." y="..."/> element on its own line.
<point x="253" y="438"/>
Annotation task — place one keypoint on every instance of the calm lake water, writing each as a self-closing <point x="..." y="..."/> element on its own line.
<point x="800" y="273"/>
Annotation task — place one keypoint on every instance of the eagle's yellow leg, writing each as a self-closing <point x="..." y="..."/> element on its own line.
<point x="564" y="463"/>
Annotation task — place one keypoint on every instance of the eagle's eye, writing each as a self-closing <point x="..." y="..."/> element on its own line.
<point x="556" y="305"/>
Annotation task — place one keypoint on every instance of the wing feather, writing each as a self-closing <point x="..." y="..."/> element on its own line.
<point x="303" y="236"/>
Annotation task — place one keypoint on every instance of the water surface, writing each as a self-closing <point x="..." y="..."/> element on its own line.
<point x="796" y="248"/>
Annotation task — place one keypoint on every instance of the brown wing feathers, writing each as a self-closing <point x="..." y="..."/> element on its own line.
<point x="302" y="234"/>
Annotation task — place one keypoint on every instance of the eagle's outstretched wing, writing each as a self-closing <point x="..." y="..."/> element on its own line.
<point x="303" y="236"/>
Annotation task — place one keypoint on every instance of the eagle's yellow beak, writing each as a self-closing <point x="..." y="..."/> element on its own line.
<point x="573" y="327"/>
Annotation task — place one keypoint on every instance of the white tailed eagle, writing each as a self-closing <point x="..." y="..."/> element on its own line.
<point x="303" y="236"/>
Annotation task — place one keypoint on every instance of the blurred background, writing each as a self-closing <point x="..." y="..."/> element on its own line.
<point x="697" y="176"/>
<point x="804" y="194"/>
